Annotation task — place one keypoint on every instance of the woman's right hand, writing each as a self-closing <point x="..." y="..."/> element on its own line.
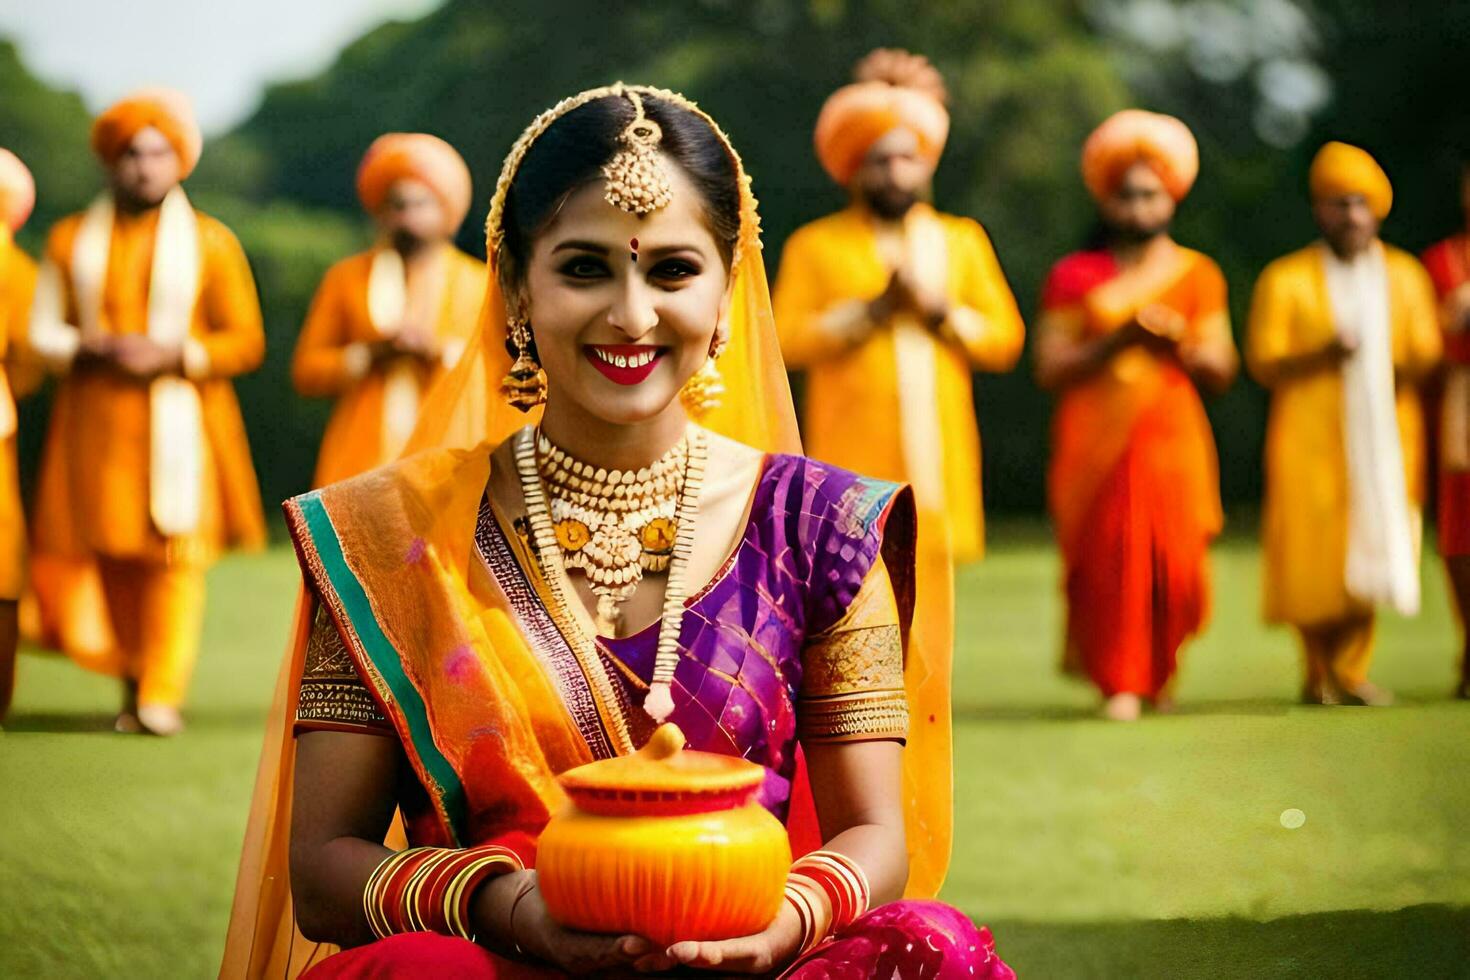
<point x="518" y="916"/>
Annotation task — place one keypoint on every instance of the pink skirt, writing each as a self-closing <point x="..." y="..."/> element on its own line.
<point x="905" y="939"/>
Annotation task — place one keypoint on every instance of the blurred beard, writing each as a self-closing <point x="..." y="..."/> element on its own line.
<point x="406" y="241"/>
<point x="889" y="204"/>
<point x="1135" y="234"/>
<point x="135" y="201"/>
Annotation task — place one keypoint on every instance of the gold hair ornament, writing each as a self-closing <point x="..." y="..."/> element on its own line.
<point x="494" y="222"/>
<point x="637" y="180"/>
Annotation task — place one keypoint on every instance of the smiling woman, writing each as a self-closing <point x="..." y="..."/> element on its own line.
<point x="491" y="613"/>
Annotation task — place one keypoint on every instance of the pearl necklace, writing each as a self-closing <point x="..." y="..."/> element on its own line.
<point x="626" y="512"/>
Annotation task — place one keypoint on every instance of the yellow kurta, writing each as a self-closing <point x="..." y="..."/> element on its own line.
<point x="899" y="404"/>
<point x="99" y="441"/>
<point x="331" y="355"/>
<point x="17" y="283"/>
<point x="1305" y="517"/>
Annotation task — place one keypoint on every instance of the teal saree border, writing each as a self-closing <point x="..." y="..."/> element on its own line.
<point x="355" y="604"/>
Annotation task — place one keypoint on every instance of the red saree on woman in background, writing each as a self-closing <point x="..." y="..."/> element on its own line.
<point x="1133" y="486"/>
<point x="1448" y="264"/>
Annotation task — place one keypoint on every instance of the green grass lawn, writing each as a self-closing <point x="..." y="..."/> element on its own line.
<point x="1092" y="849"/>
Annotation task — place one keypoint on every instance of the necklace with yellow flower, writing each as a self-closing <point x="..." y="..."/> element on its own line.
<point x="614" y="525"/>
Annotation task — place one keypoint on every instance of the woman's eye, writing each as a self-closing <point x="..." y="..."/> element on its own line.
<point x="584" y="267"/>
<point x="675" y="269"/>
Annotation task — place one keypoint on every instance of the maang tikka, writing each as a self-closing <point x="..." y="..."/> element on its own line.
<point x="525" y="385"/>
<point x="637" y="181"/>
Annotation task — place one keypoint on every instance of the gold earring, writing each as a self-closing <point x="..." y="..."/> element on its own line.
<point x="525" y="386"/>
<point x="701" y="393"/>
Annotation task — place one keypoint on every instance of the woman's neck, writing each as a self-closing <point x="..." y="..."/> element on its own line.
<point x="612" y="445"/>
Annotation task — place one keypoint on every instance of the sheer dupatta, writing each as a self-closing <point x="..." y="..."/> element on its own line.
<point x="466" y="414"/>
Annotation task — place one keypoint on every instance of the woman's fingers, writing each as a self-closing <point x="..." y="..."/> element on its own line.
<point x="655" y="962"/>
<point x="748" y="954"/>
<point x="584" y="952"/>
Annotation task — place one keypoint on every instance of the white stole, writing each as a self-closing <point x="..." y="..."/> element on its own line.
<point x="921" y="250"/>
<point x="1382" y="565"/>
<point x="387" y="303"/>
<point x="176" y="447"/>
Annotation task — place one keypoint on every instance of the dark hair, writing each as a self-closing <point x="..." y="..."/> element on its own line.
<point x="574" y="149"/>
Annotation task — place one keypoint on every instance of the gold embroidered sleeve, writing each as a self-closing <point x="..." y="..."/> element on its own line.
<point x="852" y="674"/>
<point x="333" y="696"/>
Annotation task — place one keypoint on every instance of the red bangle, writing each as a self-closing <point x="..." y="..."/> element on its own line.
<point x="841" y="879"/>
<point x="427" y="889"/>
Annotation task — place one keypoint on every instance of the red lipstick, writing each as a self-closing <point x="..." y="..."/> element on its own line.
<point x="624" y="364"/>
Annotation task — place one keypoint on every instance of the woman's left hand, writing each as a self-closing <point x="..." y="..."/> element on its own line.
<point x="763" y="952"/>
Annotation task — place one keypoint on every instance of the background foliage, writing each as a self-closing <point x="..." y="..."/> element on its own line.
<point x="1028" y="81"/>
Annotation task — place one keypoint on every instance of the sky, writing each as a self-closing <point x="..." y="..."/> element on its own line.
<point x="221" y="52"/>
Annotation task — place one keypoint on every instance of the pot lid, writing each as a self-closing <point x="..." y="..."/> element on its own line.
<point x="663" y="772"/>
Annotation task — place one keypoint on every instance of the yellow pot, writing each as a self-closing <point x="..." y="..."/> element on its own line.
<point x="666" y="844"/>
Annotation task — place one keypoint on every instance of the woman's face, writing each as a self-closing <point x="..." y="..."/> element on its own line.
<point x="624" y="308"/>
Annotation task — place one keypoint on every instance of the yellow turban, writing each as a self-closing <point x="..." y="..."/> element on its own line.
<point x="166" y="110"/>
<point x="394" y="156"/>
<point x="1134" y="136"/>
<point x="894" y="89"/>
<point x="17" y="191"/>
<point x="1340" y="169"/>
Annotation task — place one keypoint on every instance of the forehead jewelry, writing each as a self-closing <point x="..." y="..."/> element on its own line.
<point x="637" y="181"/>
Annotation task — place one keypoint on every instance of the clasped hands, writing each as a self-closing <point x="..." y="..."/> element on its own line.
<point x="1164" y="330"/>
<point x="511" y="910"/>
<point x="905" y="294"/>
<point x="409" y="341"/>
<point x="132" y="355"/>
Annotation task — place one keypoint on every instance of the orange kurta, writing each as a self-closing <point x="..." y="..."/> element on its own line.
<point x="97" y="454"/>
<point x="899" y="404"/>
<point x="1133" y="486"/>
<point x="331" y="358"/>
<point x="17" y="283"/>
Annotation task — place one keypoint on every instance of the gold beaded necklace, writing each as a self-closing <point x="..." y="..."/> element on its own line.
<point x="614" y="526"/>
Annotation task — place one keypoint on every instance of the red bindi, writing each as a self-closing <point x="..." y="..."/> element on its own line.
<point x="633" y="247"/>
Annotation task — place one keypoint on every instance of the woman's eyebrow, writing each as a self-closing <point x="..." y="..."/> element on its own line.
<point x="577" y="245"/>
<point x="662" y="250"/>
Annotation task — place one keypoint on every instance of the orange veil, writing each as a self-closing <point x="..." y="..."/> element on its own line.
<point x="465" y="411"/>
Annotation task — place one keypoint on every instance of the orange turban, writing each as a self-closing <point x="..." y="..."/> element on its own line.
<point x="1135" y="136"/>
<point x="893" y="89"/>
<point x="165" y="109"/>
<point x="1340" y="169"/>
<point x="394" y="156"/>
<point x="17" y="191"/>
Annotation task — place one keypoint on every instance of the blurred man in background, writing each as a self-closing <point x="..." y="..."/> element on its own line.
<point x="1343" y="332"/>
<point x="17" y="283"/>
<point x="145" y="309"/>
<point x="387" y="322"/>
<point x="890" y="304"/>
<point x="1128" y="331"/>
<point x="1448" y="263"/>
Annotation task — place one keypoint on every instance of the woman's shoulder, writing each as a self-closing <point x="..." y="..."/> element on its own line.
<point x="847" y="500"/>
<point x="408" y="492"/>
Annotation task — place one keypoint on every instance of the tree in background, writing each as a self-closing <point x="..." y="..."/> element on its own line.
<point x="1029" y="81"/>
